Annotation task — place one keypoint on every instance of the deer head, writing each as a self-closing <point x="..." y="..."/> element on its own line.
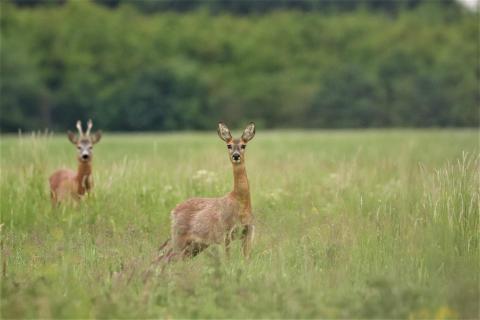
<point x="236" y="147"/>
<point x="84" y="141"/>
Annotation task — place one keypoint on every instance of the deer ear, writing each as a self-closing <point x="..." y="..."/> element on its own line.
<point x="224" y="132"/>
<point x="72" y="137"/>
<point x="249" y="132"/>
<point x="96" y="137"/>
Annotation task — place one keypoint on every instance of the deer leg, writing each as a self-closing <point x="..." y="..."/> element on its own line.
<point x="53" y="198"/>
<point x="193" y="249"/>
<point x="165" y="256"/>
<point x="179" y="242"/>
<point x="198" y="247"/>
<point x="185" y="247"/>
<point x="167" y="242"/>
<point x="248" y="234"/>
<point x="228" y="239"/>
<point x="163" y="252"/>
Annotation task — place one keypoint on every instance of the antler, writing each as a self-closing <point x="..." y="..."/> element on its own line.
<point x="79" y="128"/>
<point x="89" y="127"/>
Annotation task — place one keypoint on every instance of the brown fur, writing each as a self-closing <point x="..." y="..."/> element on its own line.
<point x="67" y="184"/>
<point x="200" y="222"/>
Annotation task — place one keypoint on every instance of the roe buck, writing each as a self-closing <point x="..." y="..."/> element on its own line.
<point x="200" y="222"/>
<point x="68" y="184"/>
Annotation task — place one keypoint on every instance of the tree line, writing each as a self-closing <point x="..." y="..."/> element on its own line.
<point x="174" y="68"/>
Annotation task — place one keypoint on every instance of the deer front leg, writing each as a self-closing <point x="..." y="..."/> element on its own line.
<point x="87" y="186"/>
<point x="248" y="234"/>
<point x="228" y="239"/>
<point x="53" y="198"/>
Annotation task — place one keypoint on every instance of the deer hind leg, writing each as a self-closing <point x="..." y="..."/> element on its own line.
<point x="184" y="247"/>
<point x="227" y="245"/>
<point x="179" y="242"/>
<point x="164" y="251"/>
<point x="193" y="249"/>
<point x="53" y="198"/>
<point x="248" y="234"/>
<point x="165" y="256"/>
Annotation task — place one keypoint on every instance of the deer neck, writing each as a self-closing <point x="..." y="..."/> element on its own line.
<point x="84" y="177"/>
<point x="241" y="190"/>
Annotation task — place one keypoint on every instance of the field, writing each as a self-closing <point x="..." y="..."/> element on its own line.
<point x="380" y="223"/>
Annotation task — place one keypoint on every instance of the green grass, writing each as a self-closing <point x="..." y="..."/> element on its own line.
<point x="349" y="224"/>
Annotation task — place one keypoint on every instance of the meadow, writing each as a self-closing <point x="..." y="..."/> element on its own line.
<point x="350" y="224"/>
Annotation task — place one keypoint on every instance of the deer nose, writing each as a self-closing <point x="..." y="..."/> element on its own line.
<point x="235" y="156"/>
<point x="84" y="156"/>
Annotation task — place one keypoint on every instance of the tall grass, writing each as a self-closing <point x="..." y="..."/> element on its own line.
<point x="349" y="224"/>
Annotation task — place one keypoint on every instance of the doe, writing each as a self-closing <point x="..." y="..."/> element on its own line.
<point x="68" y="184"/>
<point x="200" y="222"/>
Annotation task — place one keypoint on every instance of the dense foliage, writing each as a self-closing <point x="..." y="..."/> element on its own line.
<point x="252" y="6"/>
<point x="285" y="68"/>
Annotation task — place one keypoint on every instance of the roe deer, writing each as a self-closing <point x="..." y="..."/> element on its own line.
<point x="68" y="184"/>
<point x="200" y="222"/>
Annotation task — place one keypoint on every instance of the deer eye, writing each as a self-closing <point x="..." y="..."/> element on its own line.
<point x="79" y="148"/>
<point x="243" y="146"/>
<point x="229" y="146"/>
